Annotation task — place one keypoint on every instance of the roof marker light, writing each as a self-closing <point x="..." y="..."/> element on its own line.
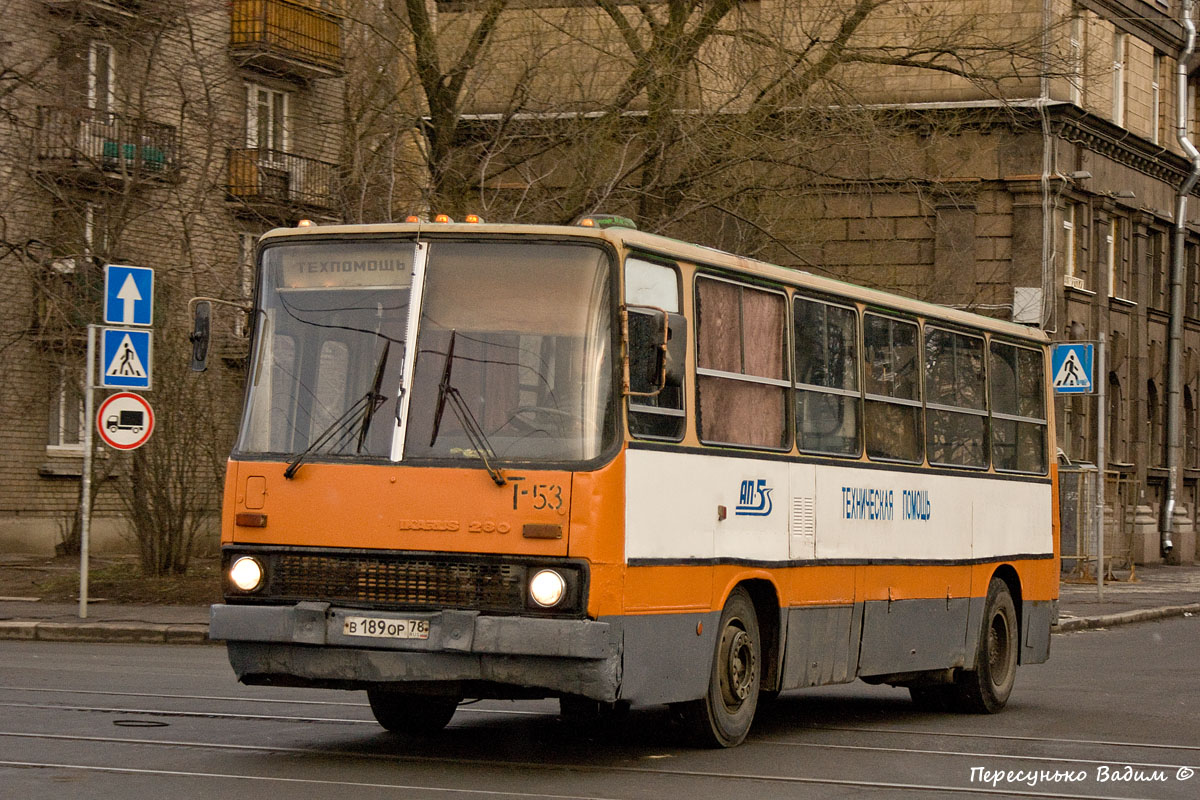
<point x="474" y="219"/>
<point x="442" y="218"/>
<point x="605" y="221"/>
<point x="304" y="223"/>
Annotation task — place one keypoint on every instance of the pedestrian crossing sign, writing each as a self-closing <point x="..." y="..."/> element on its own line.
<point x="125" y="358"/>
<point x="1071" y="366"/>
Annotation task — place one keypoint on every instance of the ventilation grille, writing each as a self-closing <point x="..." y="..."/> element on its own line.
<point x="409" y="583"/>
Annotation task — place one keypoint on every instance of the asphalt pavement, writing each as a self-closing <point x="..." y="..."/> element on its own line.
<point x="1156" y="592"/>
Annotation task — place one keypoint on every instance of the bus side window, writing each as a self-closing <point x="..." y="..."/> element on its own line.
<point x="893" y="389"/>
<point x="1016" y="379"/>
<point x="741" y="365"/>
<point x="955" y="405"/>
<point x="828" y="402"/>
<point x="652" y="414"/>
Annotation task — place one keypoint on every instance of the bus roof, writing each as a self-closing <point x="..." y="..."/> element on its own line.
<point x="656" y="244"/>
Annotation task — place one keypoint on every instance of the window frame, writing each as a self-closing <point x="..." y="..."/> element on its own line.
<point x="634" y="404"/>
<point x="870" y="397"/>
<point x="945" y="408"/>
<point x="993" y="414"/>
<point x="856" y="393"/>
<point x="787" y="438"/>
<point x="60" y="402"/>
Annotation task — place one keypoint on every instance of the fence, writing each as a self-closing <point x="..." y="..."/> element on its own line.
<point x="1077" y="485"/>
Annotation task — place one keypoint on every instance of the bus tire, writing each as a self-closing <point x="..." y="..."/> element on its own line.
<point x="722" y="717"/>
<point x="985" y="689"/>
<point x="411" y="714"/>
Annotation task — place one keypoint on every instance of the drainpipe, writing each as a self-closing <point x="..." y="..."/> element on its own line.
<point x="1175" y="335"/>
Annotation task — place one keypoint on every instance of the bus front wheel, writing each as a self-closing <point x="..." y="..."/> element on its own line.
<point x="411" y="714"/>
<point x="722" y="717"/>
<point x="985" y="689"/>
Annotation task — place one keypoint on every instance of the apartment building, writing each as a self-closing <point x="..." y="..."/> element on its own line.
<point x="165" y="134"/>
<point x="1016" y="158"/>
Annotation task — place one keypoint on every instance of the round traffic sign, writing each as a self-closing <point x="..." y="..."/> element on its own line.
<point x="125" y="421"/>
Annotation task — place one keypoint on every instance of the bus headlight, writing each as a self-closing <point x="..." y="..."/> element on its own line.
<point x="246" y="573"/>
<point x="547" y="588"/>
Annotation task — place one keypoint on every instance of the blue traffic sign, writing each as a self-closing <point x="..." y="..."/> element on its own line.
<point x="1071" y="368"/>
<point x="128" y="295"/>
<point x="125" y="358"/>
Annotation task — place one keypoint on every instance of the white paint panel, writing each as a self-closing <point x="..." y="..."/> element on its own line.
<point x="673" y="500"/>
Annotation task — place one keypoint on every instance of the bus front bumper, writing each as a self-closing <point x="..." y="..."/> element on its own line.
<point x="307" y="644"/>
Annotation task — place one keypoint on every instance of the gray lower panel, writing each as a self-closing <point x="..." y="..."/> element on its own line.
<point x="667" y="657"/>
<point x="309" y="643"/>
<point x="913" y="636"/>
<point x="821" y="646"/>
<point x="259" y="662"/>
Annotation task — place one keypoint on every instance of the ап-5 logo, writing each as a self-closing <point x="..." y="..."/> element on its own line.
<point x="755" y="499"/>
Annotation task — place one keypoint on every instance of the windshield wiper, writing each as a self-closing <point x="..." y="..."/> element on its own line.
<point x="369" y="414"/>
<point x="470" y="425"/>
<point x="340" y="431"/>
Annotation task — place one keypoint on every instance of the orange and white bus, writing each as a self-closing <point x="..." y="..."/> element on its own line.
<point x="591" y="463"/>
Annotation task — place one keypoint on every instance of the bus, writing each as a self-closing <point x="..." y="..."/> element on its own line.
<point x="591" y="463"/>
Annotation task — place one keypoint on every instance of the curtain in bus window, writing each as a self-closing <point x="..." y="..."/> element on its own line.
<point x="956" y="409"/>
<point x="741" y="373"/>
<point x="892" y="384"/>
<point x="1018" y="409"/>
<point x="827" y="396"/>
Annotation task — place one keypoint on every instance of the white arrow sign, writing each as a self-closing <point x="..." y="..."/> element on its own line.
<point x="129" y="295"/>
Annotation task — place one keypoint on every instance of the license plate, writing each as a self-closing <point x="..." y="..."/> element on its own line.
<point x="380" y="628"/>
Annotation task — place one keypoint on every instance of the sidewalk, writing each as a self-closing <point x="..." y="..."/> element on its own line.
<point x="1157" y="593"/>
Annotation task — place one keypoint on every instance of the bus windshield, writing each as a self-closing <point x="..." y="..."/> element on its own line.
<point x="513" y="352"/>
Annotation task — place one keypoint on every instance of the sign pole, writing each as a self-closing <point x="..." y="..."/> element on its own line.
<point x="1101" y="382"/>
<point x="85" y="511"/>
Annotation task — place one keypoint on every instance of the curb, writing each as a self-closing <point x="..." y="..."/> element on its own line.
<point x="1124" y="618"/>
<point x="109" y="632"/>
<point x="197" y="633"/>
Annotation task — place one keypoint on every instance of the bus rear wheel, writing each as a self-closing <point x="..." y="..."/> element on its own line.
<point x="985" y="689"/>
<point x="722" y="717"/>
<point x="411" y="714"/>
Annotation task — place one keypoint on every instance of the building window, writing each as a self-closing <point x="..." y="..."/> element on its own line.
<point x="1070" y="245"/>
<point x="66" y="410"/>
<point x="1116" y="442"/>
<point x="1191" y="428"/>
<point x="1154" y="425"/>
<point x="1157" y="254"/>
<point x="266" y="119"/>
<point x="245" y="278"/>
<point x="1114" y="256"/>
<point x="1120" y="48"/>
<point x="1156" y="114"/>
<point x="102" y="66"/>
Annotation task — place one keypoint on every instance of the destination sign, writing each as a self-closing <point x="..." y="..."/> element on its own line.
<point x="338" y="265"/>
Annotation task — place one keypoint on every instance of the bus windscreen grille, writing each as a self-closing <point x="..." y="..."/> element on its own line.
<point x="398" y="582"/>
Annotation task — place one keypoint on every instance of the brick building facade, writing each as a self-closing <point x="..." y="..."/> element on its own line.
<point x="166" y="134"/>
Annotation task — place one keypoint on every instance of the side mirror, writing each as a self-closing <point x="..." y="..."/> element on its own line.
<point x="656" y="350"/>
<point x="201" y="334"/>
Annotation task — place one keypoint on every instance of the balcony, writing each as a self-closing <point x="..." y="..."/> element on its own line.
<point x="286" y="37"/>
<point x="279" y="184"/>
<point x="108" y="11"/>
<point x="104" y="147"/>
